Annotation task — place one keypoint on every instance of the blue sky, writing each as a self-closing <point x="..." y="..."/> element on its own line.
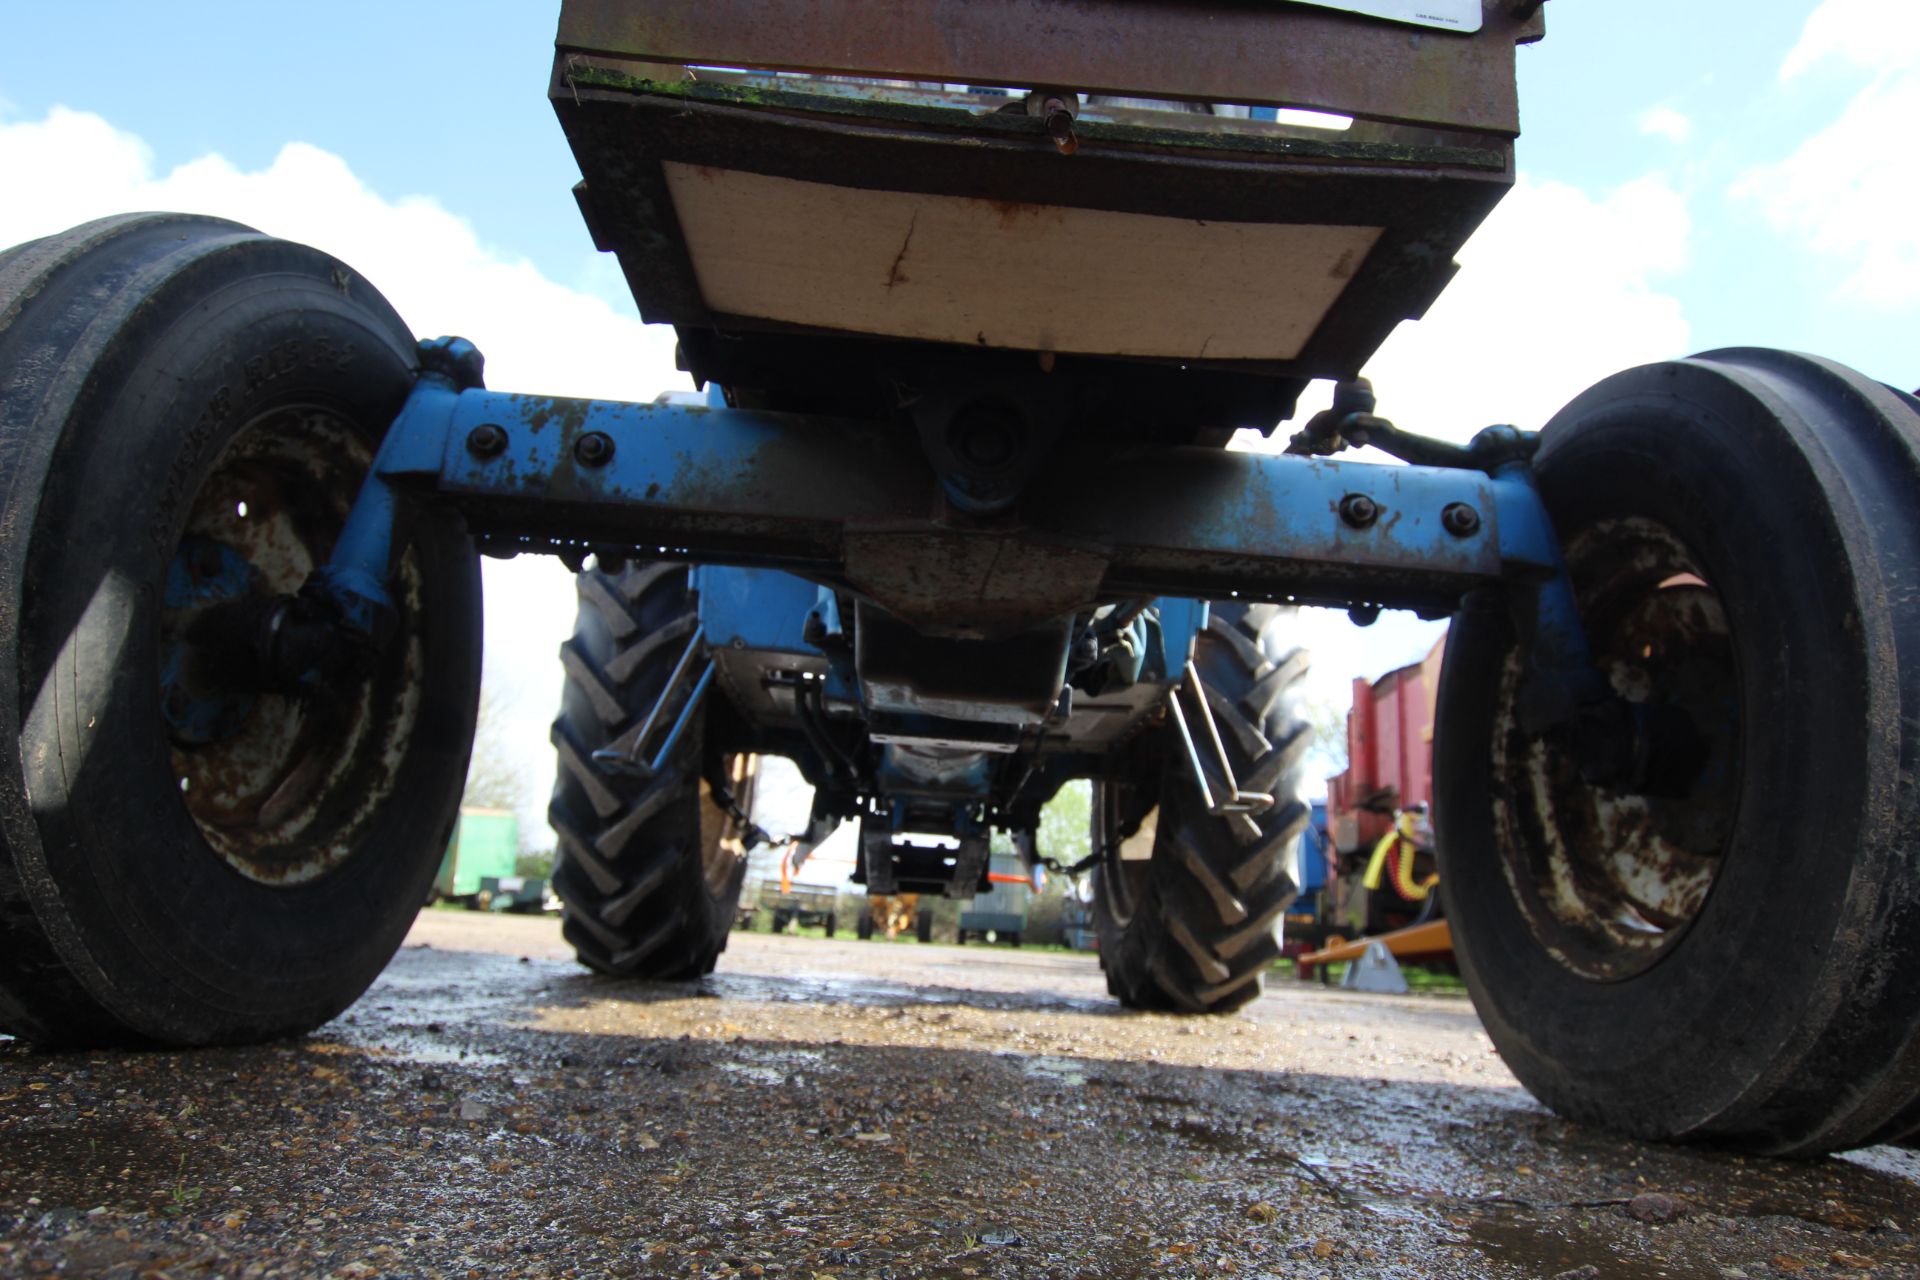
<point x="1696" y="174"/>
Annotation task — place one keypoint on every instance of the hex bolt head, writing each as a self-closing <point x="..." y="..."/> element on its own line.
<point x="487" y="440"/>
<point x="1358" y="510"/>
<point x="594" y="449"/>
<point x="1460" y="520"/>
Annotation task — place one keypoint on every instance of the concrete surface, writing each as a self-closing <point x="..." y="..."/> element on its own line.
<point x="845" y="1109"/>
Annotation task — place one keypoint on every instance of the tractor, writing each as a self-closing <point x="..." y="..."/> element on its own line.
<point x="976" y="295"/>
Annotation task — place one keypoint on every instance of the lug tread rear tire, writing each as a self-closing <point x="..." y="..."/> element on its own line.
<point x="1204" y="931"/>
<point x="630" y="873"/>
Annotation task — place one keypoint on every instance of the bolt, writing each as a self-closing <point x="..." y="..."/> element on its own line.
<point x="1460" y="520"/>
<point x="594" y="449"/>
<point x="487" y="440"/>
<point x="1358" y="510"/>
<point x="1059" y="118"/>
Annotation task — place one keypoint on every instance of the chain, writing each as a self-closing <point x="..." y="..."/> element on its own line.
<point x="1087" y="863"/>
<point x="752" y="834"/>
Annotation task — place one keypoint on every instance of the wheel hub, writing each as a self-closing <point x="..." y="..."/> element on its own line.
<point x="278" y="781"/>
<point x="1610" y="877"/>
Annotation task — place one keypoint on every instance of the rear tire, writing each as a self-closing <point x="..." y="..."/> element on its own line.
<point x="187" y="410"/>
<point x="649" y="871"/>
<point x="1732" y="962"/>
<point x="1194" y="926"/>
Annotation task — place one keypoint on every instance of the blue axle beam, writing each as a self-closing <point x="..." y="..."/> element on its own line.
<point x="847" y="503"/>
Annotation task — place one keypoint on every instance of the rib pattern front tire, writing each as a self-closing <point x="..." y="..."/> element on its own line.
<point x="1195" y="927"/>
<point x="648" y="882"/>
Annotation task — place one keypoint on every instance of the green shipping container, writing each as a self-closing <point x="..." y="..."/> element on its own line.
<point x="486" y="842"/>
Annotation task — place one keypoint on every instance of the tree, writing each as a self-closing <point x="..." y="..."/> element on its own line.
<point x="495" y="779"/>
<point x="1065" y="835"/>
<point x="1327" y="717"/>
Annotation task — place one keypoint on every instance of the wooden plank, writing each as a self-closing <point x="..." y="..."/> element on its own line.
<point x="999" y="274"/>
<point x="1235" y="51"/>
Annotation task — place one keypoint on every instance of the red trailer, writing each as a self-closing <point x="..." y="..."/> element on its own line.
<point x="1389" y="767"/>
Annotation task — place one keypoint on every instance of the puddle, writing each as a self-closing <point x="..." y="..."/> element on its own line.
<point x="776" y="1066"/>
<point x="1539" y="1250"/>
<point x="1055" y="1070"/>
<point x="754" y="1072"/>
<point x="384" y="1045"/>
<point x="1195" y="1130"/>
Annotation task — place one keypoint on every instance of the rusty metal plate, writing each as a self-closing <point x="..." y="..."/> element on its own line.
<point x="1243" y="53"/>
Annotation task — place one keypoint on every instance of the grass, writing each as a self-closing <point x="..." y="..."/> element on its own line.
<point x="1421" y="979"/>
<point x="845" y="933"/>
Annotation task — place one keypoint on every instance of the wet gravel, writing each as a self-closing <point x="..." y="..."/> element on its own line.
<point x="845" y="1109"/>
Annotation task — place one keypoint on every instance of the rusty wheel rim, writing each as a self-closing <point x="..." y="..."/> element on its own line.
<point x="723" y="846"/>
<point x="280" y="785"/>
<point x="1610" y="883"/>
<point x="1128" y="863"/>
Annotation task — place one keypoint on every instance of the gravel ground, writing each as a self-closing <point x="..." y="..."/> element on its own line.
<point x="842" y="1109"/>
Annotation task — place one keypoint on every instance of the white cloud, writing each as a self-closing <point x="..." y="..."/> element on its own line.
<point x="1665" y="122"/>
<point x="1557" y="290"/>
<point x="1883" y="35"/>
<point x="537" y="335"/>
<point x="1848" y="191"/>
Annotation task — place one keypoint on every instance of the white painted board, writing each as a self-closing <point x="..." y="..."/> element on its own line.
<point x="1021" y="276"/>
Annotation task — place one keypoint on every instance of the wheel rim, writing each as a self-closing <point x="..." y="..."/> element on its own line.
<point x="1609" y="883"/>
<point x="722" y="840"/>
<point x="281" y="786"/>
<point x="1126" y="864"/>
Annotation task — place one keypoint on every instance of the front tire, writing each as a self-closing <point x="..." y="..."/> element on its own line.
<point x="187" y="411"/>
<point x="1731" y="960"/>
<point x="1188" y="905"/>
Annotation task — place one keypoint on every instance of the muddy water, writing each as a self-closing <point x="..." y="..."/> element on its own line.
<point x="840" y="1109"/>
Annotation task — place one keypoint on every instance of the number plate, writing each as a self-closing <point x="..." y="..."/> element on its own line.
<point x="1447" y="15"/>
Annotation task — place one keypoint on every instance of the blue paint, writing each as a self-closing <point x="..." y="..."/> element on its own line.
<point x="1557" y="637"/>
<point x="763" y="486"/>
<point x="204" y="574"/>
<point x="1180" y="621"/>
<point x="354" y="579"/>
<point x="761" y="609"/>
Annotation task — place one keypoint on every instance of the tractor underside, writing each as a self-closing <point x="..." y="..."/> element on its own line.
<point x="1036" y="305"/>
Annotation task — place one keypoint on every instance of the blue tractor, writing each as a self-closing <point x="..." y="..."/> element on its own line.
<point x="979" y="293"/>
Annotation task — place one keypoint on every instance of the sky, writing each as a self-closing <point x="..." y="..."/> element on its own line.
<point x="1691" y="176"/>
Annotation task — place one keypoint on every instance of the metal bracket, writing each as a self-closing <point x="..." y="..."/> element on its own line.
<point x="876" y="857"/>
<point x="632" y="761"/>
<point x="1220" y="789"/>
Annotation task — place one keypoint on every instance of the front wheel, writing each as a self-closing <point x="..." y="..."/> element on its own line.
<point x="1729" y="954"/>
<point x="192" y="856"/>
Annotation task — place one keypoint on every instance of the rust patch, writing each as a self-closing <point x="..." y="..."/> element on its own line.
<point x="1609" y="881"/>
<point x="285" y="796"/>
